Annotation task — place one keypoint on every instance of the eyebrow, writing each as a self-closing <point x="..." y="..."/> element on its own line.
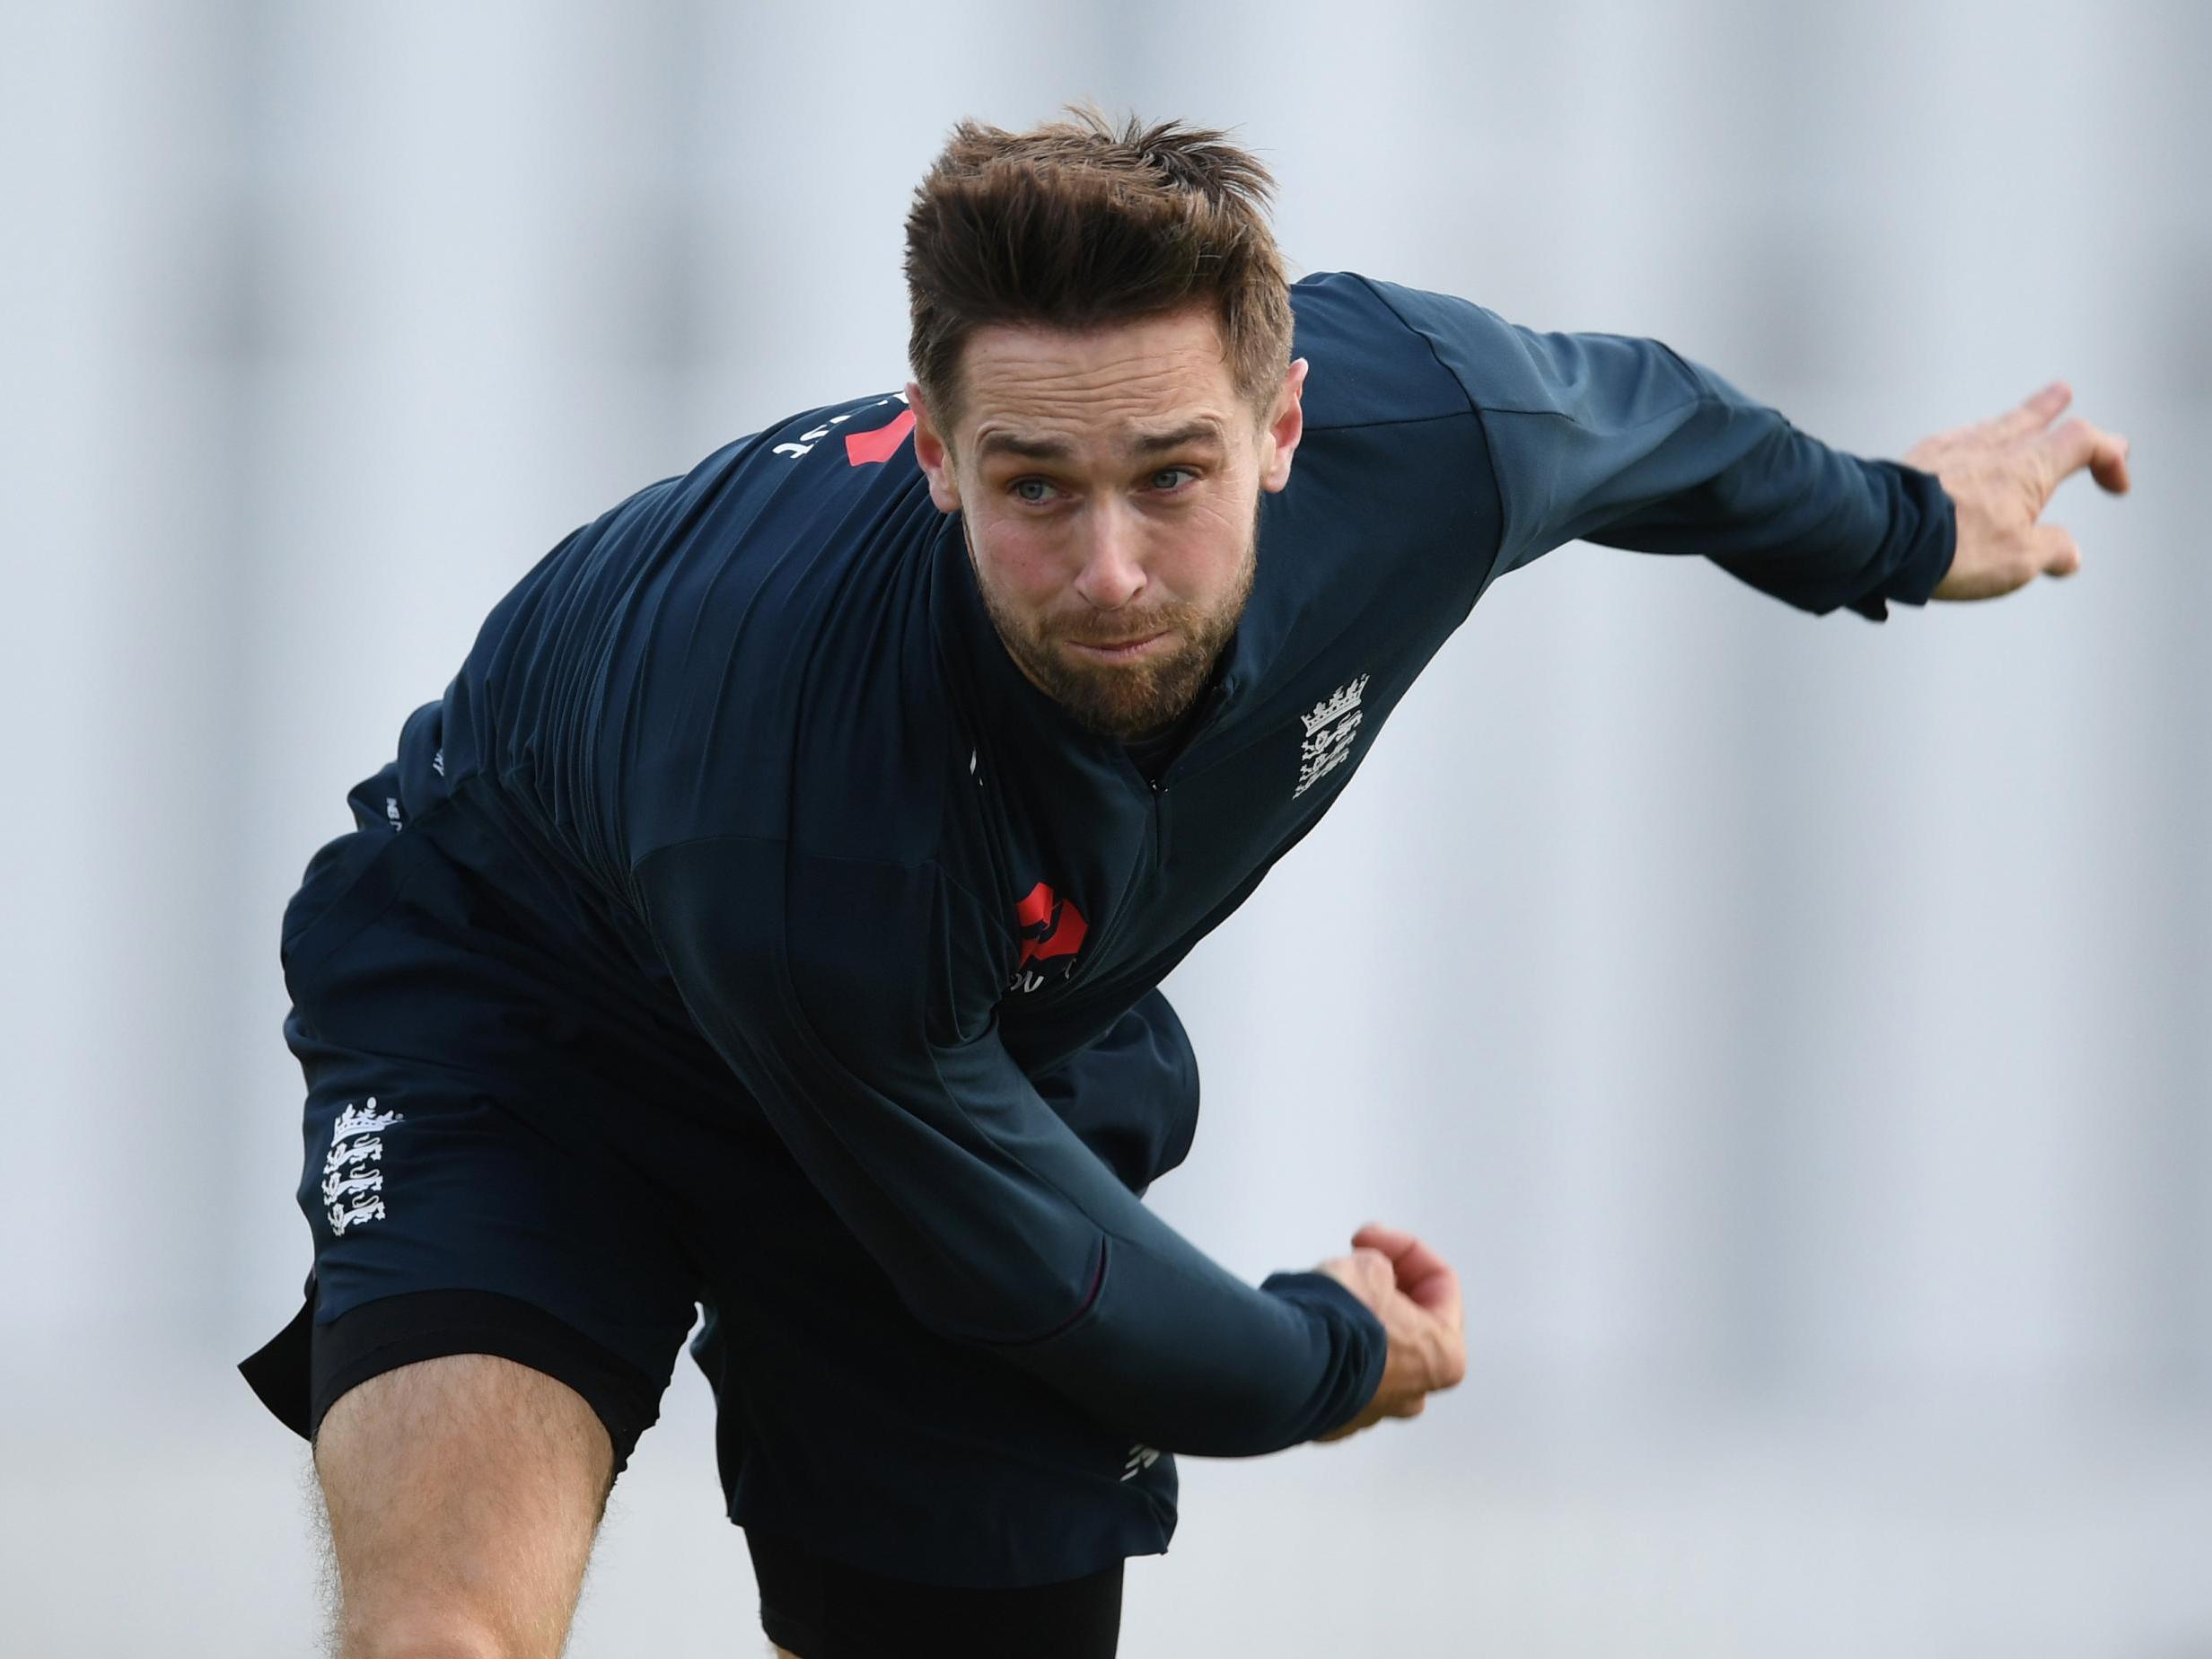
<point x="1205" y="430"/>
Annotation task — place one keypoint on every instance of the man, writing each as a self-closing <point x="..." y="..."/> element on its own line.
<point x="770" y="914"/>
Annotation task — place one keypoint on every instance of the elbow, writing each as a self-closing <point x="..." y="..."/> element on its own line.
<point x="1002" y="1309"/>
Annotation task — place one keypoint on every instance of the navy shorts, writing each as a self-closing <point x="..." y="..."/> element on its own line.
<point x="500" y="1160"/>
<point x="820" y="1608"/>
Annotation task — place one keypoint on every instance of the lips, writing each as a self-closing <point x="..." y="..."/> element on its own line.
<point x="1120" y="644"/>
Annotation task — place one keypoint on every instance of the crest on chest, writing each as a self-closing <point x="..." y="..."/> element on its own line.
<point x="1332" y="728"/>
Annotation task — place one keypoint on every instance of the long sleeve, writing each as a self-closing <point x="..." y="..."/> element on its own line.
<point x="842" y="993"/>
<point x="1618" y="440"/>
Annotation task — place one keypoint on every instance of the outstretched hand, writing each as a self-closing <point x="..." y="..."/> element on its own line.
<point x="2001" y="473"/>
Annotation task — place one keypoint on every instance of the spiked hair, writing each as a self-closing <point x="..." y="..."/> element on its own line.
<point x="1075" y="224"/>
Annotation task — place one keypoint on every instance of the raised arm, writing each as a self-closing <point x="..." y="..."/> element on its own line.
<point x="1615" y="439"/>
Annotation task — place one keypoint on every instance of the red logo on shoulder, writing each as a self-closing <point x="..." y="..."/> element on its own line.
<point x="862" y="448"/>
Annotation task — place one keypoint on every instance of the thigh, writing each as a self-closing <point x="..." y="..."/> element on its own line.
<point x="462" y="1494"/>
<point x="816" y="1608"/>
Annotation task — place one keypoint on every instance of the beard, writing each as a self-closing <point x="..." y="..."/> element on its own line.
<point x="1125" y="701"/>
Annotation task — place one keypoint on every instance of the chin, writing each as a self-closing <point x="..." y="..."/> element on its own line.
<point x="1129" y="721"/>
<point x="1125" y="702"/>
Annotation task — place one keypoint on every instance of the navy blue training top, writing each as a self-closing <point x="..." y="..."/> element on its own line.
<point x="748" y="752"/>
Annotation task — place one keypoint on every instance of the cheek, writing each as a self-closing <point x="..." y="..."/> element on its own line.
<point x="1024" y="561"/>
<point x="1201" y="553"/>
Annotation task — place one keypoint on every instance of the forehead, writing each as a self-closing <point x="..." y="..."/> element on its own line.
<point x="1027" y="388"/>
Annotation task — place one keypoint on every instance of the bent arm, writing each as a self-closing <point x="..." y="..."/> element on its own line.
<point x="827" y="985"/>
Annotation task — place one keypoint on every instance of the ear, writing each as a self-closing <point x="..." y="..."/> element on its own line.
<point x="1285" y="426"/>
<point x="933" y="454"/>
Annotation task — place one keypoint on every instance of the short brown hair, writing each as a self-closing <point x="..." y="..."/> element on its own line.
<point x="1072" y="224"/>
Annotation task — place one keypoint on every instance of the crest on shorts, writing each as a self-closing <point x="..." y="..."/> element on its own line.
<point x="353" y="1191"/>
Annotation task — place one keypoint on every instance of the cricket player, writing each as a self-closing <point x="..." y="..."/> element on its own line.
<point x="769" y="917"/>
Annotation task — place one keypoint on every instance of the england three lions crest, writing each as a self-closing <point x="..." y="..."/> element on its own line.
<point x="352" y="1190"/>
<point x="1331" y="726"/>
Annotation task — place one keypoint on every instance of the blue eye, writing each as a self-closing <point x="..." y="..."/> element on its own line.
<point x="1021" y="486"/>
<point x="1169" y="472"/>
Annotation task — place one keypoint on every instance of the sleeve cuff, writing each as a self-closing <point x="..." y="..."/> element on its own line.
<point x="1369" y="1343"/>
<point x="1922" y="503"/>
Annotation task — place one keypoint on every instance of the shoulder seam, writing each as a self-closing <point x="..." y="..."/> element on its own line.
<point x="1395" y="420"/>
<point x="1489" y="455"/>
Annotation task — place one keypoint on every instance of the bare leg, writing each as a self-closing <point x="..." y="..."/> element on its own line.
<point x="464" y="1493"/>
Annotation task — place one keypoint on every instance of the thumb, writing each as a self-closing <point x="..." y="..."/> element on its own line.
<point x="2057" y="553"/>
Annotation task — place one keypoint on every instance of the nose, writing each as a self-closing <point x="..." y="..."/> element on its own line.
<point x="1113" y="571"/>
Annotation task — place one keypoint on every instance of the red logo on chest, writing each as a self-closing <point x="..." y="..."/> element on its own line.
<point x="1052" y="931"/>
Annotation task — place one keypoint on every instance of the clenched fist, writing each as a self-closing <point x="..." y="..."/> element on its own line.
<point x="1416" y="1295"/>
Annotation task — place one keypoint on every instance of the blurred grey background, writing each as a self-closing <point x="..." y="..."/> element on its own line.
<point x="1795" y="1031"/>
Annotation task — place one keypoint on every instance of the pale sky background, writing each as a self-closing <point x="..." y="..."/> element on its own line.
<point x="1794" y="1029"/>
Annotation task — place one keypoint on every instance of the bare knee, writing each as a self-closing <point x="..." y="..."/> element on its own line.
<point x="464" y="1493"/>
